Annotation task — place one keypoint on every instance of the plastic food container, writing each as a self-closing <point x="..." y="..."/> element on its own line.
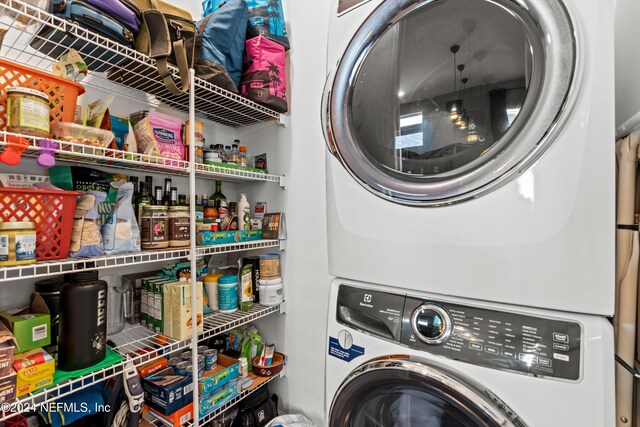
<point x="83" y="135"/>
<point x="17" y="243"/>
<point x="271" y="292"/>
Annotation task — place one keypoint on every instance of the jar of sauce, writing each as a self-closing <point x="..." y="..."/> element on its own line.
<point x="155" y="227"/>
<point x="17" y="243"/>
<point x="179" y="226"/>
<point x="27" y="112"/>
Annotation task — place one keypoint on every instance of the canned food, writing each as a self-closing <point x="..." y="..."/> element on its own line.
<point x="183" y="368"/>
<point x="174" y="361"/>
<point x="189" y="370"/>
<point x="269" y="266"/>
<point x="186" y="356"/>
<point x="202" y="349"/>
<point x="210" y="359"/>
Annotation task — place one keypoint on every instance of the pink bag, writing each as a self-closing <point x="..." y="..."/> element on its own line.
<point x="264" y="79"/>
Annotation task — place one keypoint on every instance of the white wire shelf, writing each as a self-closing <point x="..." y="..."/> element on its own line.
<point x="114" y="65"/>
<point x="69" y="265"/>
<point x="233" y="175"/>
<point x="80" y="154"/>
<point x="138" y="345"/>
<point x="217" y="323"/>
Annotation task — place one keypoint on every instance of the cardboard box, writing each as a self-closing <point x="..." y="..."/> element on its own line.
<point x="181" y="310"/>
<point x="134" y="281"/>
<point x="208" y="238"/>
<point x="219" y="397"/>
<point x="228" y="369"/>
<point x="177" y="419"/>
<point x="154" y="366"/>
<point x="7" y="347"/>
<point x="166" y="392"/>
<point x="8" y="387"/>
<point x="30" y="326"/>
<point x="35" y="373"/>
<point x="167" y="315"/>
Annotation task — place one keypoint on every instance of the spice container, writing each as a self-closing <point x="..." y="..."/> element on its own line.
<point x="269" y="266"/>
<point x="27" y="112"/>
<point x="199" y="141"/>
<point x="179" y="226"/>
<point x="17" y="243"/>
<point x="155" y="224"/>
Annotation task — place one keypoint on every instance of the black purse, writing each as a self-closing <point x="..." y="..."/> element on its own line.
<point x="257" y="409"/>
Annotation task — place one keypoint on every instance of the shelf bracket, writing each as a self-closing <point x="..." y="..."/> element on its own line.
<point x="283" y="120"/>
<point x="283" y="182"/>
<point x="283" y="245"/>
<point x="283" y="307"/>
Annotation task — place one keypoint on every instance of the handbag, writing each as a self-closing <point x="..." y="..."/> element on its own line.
<point x="123" y="11"/>
<point x="220" y="45"/>
<point x="264" y="79"/>
<point x="167" y="34"/>
<point x="266" y="18"/>
<point x="54" y="42"/>
<point x="257" y="409"/>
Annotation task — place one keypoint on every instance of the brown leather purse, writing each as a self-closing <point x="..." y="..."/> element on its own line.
<point x="167" y="34"/>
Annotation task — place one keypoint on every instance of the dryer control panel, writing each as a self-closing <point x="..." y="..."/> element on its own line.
<point x="495" y="339"/>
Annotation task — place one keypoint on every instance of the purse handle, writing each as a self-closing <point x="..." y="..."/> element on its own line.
<point x="161" y="47"/>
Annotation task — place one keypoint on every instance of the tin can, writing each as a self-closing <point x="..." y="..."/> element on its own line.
<point x="210" y="359"/>
<point x="269" y="266"/>
<point x="183" y="368"/>
<point x="174" y="361"/>
<point x="189" y="370"/>
<point x="186" y="356"/>
<point x="202" y="349"/>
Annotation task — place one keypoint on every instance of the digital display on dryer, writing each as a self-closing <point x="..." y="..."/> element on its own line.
<point x="501" y="340"/>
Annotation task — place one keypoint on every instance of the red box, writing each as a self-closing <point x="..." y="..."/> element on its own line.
<point x="177" y="419"/>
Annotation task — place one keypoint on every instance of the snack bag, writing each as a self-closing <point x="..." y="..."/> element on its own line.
<point x="86" y="240"/>
<point x="120" y="232"/>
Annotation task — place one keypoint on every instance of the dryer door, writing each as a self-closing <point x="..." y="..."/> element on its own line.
<point x="439" y="101"/>
<point x="411" y="393"/>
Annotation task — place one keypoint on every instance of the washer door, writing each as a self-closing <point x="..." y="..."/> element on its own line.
<point x="410" y="393"/>
<point x="439" y="101"/>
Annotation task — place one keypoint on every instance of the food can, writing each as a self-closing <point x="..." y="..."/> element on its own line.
<point x="210" y="359"/>
<point x="186" y="355"/>
<point x="183" y="368"/>
<point x="174" y="361"/>
<point x="269" y="266"/>
<point x="202" y="349"/>
<point x="189" y="370"/>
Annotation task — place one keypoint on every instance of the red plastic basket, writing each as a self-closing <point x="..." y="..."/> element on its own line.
<point x="52" y="211"/>
<point x="63" y="94"/>
<point x="17" y="421"/>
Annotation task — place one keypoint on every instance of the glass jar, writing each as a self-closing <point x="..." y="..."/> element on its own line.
<point x="179" y="226"/>
<point x="155" y="227"/>
<point x="27" y="112"/>
<point x="17" y="243"/>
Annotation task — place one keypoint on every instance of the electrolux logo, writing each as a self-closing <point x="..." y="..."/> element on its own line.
<point x="367" y="301"/>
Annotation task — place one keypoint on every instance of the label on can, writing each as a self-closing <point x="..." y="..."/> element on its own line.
<point x="154" y="230"/>
<point x="228" y="297"/>
<point x="4" y="247"/>
<point x="25" y="247"/>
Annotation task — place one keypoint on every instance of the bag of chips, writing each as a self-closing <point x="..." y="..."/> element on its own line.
<point x="120" y="232"/>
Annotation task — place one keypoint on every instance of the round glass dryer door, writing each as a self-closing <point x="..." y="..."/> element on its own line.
<point x="407" y="393"/>
<point x="440" y="101"/>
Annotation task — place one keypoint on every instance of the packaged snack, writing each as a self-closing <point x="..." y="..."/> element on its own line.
<point x="97" y="113"/>
<point x="85" y="179"/>
<point x="120" y="232"/>
<point x="86" y="240"/>
<point x="158" y="134"/>
<point x="70" y="66"/>
<point x="120" y="128"/>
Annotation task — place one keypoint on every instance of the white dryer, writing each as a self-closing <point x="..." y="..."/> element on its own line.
<point x="470" y="149"/>
<point x="425" y="360"/>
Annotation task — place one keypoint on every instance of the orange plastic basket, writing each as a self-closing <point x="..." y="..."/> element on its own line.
<point x="52" y="211"/>
<point x="63" y="94"/>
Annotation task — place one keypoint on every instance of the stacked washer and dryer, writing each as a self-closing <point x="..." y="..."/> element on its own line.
<point x="470" y="197"/>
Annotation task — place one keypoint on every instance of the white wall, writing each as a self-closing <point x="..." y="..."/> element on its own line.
<point x="627" y="60"/>
<point x="298" y="152"/>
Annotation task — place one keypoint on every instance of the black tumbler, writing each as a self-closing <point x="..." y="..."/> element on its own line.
<point x="83" y="322"/>
<point x="49" y="290"/>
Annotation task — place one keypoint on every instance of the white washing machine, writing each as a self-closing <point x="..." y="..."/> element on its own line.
<point x="471" y="149"/>
<point x="425" y="360"/>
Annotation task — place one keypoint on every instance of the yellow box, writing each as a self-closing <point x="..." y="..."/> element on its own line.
<point x="181" y="309"/>
<point x="37" y="369"/>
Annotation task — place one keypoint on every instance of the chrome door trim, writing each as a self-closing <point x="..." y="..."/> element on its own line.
<point x="546" y="23"/>
<point x="432" y="373"/>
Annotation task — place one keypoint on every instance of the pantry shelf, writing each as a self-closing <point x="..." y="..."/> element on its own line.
<point x="69" y="265"/>
<point x="69" y="152"/>
<point x="138" y="345"/>
<point x="215" y="324"/>
<point x="117" y="68"/>
<point x="233" y="175"/>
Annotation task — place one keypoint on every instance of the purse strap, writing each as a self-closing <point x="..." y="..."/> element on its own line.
<point x="160" y="48"/>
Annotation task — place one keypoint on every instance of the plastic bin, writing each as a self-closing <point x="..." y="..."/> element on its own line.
<point x="52" y="211"/>
<point x="63" y="94"/>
